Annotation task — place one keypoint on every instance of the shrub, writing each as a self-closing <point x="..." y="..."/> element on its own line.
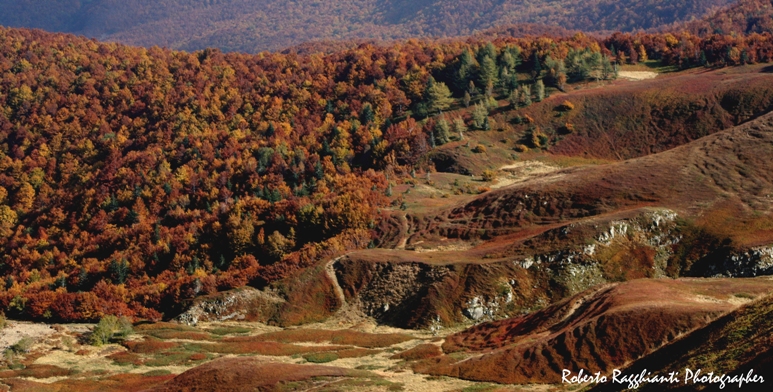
<point x="479" y="149"/>
<point x="489" y="175"/>
<point x="23" y="346"/>
<point x="479" y="115"/>
<point x="566" y="106"/>
<point x="3" y="321"/>
<point x="543" y="140"/>
<point x="110" y="328"/>
<point x="567" y="128"/>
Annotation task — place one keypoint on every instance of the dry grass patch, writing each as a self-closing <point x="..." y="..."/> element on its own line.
<point x="258" y="347"/>
<point x="344" y="337"/>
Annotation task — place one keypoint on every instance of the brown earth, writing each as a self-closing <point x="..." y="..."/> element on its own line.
<point x="597" y="330"/>
<point x="733" y="344"/>
<point x="249" y="374"/>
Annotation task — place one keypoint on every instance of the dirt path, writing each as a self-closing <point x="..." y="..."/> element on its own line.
<point x="637" y="75"/>
<point x="403" y="232"/>
<point x="331" y="274"/>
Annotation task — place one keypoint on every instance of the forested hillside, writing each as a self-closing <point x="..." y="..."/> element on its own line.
<point x="746" y="17"/>
<point x="133" y="178"/>
<point x="252" y="26"/>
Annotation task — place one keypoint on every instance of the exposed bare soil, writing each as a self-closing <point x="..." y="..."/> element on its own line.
<point x="637" y="75"/>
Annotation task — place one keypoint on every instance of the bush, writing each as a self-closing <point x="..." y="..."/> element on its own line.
<point x="489" y="175"/>
<point x="566" y="106"/>
<point x="479" y="149"/>
<point x="23" y="346"/>
<point x="111" y="328"/>
<point x="3" y="321"/>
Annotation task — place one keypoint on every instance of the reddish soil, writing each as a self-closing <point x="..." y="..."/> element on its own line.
<point x="247" y="374"/>
<point x="733" y="344"/>
<point x="597" y="330"/>
<point x="344" y="337"/>
<point x="118" y="383"/>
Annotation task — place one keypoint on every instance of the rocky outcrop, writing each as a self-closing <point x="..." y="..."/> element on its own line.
<point x="242" y="304"/>
<point x="754" y="262"/>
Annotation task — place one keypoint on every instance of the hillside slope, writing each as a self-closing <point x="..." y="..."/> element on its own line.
<point x="727" y="169"/>
<point x="734" y="344"/>
<point x="744" y="17"/>
<point x="252" y="26"/>
<point x="597" y="330"/>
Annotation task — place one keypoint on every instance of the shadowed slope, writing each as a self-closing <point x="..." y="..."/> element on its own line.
<point x="734" y="344"/>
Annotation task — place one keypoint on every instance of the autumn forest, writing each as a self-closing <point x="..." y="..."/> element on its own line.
<point x="133" y="178"/>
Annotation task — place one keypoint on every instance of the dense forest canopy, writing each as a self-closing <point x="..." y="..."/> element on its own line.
<point x="746" y="16"/>
<point x="253" y="26"/>
<point x="133" y="178"/>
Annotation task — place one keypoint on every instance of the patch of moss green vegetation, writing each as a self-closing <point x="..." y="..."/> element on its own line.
<point x="321" y="357"/>
<point x="220" y="331"/>
<point x="157" y="372"/>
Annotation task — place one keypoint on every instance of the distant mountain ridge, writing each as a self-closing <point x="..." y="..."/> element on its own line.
<point x="252" y="26"/>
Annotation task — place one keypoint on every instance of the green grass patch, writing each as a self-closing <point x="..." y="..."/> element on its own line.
<point x="321" y="357"/>
<point x="175" y="334"/>
<point x="157" y="372"/>
<point x="220" y="331"/>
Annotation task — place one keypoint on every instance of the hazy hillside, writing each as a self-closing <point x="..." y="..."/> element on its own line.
<point x="252" y="26"/>
<point x="747" y="16"/>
